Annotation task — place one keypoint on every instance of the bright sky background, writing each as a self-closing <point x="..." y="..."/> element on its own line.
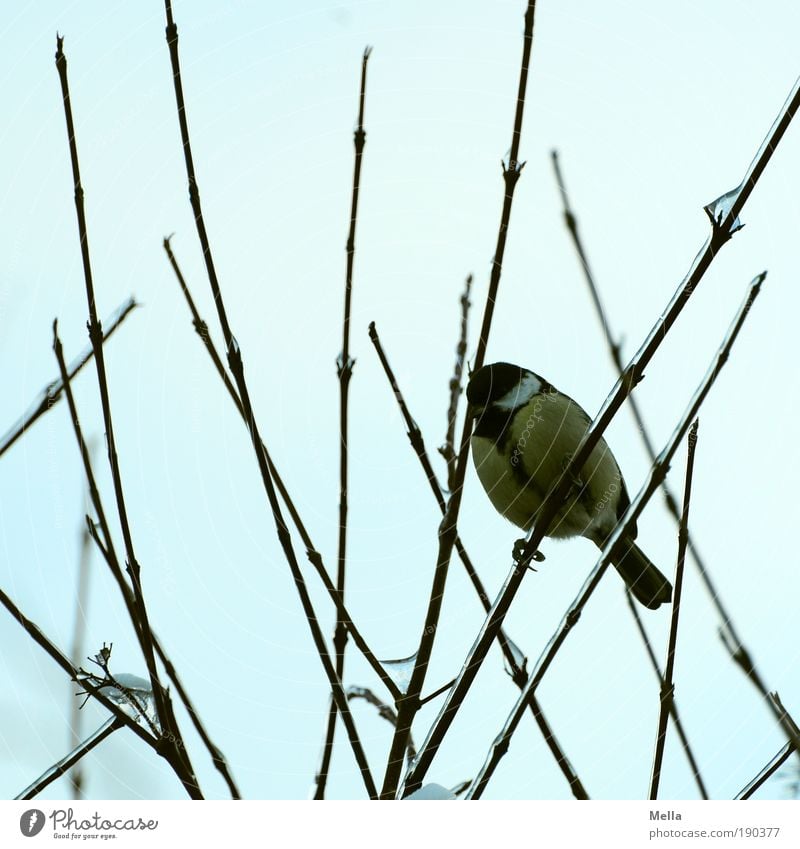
<point x="656" y="109"/>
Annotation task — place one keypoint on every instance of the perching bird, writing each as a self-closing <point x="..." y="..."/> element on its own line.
<point x="525" y="434"/>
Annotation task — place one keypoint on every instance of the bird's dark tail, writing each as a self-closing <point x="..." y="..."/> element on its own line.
<point x="644" y="579"/>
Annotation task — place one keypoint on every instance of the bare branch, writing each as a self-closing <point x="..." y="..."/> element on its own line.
<point x="723" y="214"/>
<point x="236" y="365"/>
<point x="344" y="369"/>
<point x="479" y="649"/>
<point x="515" y="669"/>
<point x="667" y="684"/>
<point x="51" y="394"/>
<point x="407" y="709"/>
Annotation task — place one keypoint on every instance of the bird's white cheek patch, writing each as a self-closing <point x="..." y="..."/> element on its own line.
<point x="528" y="387"/>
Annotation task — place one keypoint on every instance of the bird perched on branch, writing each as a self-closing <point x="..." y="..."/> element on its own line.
<point x="525" y="435"/>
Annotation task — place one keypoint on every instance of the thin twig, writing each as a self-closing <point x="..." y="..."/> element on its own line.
<point x="68" y="761"/>
<point x="36" y="634"/>
<point x="109" y="554"/>
<point x="741" y="657"/>
<point x="217" y="756"/>
<point x="515" y="670"/>
<point x="180" y="763"/>
<point x="723" y="214"/>
<point x="173" y="746"/>
<point x="658" y="470"/>
<point x="314" y="556"/>
<point x="776" y="762"/>
<point x="236" y="365"/>
<point x="344" y="369"/>
<point x="51" y="394"/>
<point x="409" y="706"/>
<point x="728" y="632"/>
<point x="448" y="450"/>
<point x="673" y="708"/>
<point x="667" y="683"/>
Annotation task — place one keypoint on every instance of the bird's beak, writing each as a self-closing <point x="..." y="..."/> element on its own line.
<point x="473" y="412"/>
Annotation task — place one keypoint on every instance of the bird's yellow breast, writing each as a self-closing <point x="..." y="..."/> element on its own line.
<point x="518" y="472"/>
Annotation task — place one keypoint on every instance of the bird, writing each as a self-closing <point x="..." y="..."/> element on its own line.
<point x="525" y="433"/>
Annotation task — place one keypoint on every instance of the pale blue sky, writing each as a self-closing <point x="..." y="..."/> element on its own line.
<point x="656" y="111"/>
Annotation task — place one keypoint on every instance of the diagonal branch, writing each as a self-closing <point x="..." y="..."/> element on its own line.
<point x="667" y="683"/>
<point x="344" y="369"/>
<point x="776" y="762"/>
<point x="68" y="761"/>
<point x="723" y="214"/>
<point x="511" y="652"/>
<point x="314" y="556"/>
<point x="51" y="394"/>
<point x="236" y="365"/>
<point x="448" y="450"/>
<point x="174" y="749"/>
<point x="111" y="559"/>
<point x="409" y="706"/>
<point x="37" y="635"/>
<point x="659" y="469"/>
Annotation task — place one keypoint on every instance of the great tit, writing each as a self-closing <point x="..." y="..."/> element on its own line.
<point x="524" y="436"/>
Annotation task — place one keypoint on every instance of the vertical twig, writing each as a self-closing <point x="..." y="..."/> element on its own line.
<point x="448" y="450"/>
<point x="184" y="773"/>
<point x="174" y="749"/>
<point x="408" y="707"/>
<point x="673" y="708"/>
<point x="667" y="683"/>
<point x="344" y="369"/>
<point x="236" y="365"/>
<point x="516" y="671"/>
<point x="314" y="556"/>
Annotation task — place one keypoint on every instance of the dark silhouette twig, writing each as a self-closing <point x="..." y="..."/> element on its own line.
<point x="516" y="670"/>
<point x="110" y="556"/>
<point x="344" y="369"/>
<point x="314" y="556"/>
<point x="37" y="635"/>
<point x="658" y="470"/>
<point x="673" y="707"/>
<point x="667" y="683"/>
<point x="217" y="757"/>
<point x="448" y="450"/>
<point x="723" y="214"/>
<point x="58" y="769"/>
<point x="173" y="746"/>
<point x="408" y="707"/>
<point x="51" y="394"/>
<point x="776" y="762"/>
<point x="236" y="365"/>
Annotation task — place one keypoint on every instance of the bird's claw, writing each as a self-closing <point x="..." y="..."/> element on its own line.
<point x="519" y="550"/>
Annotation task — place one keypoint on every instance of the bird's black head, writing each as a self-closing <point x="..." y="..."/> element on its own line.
<point x="490" y="383"/>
